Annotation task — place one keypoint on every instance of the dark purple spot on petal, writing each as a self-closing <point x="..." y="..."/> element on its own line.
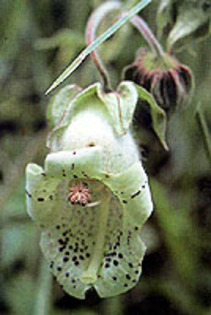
<point x="65" y="259"/>
<point x="135" y="194"/>
<point x="128" y="276"/>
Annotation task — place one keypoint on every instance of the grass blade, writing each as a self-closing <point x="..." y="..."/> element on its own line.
<point x="142" y="4"/>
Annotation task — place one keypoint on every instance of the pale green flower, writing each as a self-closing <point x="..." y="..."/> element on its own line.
<point x="92" y="196"/>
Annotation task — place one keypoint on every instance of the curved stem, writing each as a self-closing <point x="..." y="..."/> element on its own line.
<point x="146" y="32"/>
<point x="91" y="29"/>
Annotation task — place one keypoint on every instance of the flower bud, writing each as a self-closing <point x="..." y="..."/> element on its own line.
<point x="170" y="82"/>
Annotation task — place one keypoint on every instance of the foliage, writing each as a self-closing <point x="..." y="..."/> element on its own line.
<point x="184" y="21"/>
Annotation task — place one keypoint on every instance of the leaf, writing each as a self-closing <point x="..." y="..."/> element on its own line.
<point x="157" y="114"/>
<point x="164" y="16"/>
<point x="97" y="245"/>
<point x="183" y="21"/>
<point x="64" y="37"/>
<point x="74" y="65"/>
<point x="192" y="23"/>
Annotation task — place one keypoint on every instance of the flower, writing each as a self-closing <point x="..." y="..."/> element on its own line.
<point x="92" y="196"/>
<point x="170" y="82"/>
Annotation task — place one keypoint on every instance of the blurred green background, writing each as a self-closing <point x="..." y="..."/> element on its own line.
<point x="38" y="40"/>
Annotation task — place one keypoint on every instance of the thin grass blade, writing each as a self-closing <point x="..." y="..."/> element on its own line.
<point x="74" y="65"/>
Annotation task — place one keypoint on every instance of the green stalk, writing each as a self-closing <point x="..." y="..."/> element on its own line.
<point x="204" y="130"/>
<point x="43" y="301"/>
<point x="114" y="305"/>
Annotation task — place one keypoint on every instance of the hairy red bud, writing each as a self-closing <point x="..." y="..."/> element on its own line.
<point x="170" y="82"/>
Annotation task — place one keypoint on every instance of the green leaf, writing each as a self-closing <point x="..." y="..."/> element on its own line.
<point x="74" y="65"/>
<point x="192" y="23"/>
<point x="157" y="113"/>
<point x="164" y="16"/>
<point x="184" y="21"/>
<point x="64" y="37"/>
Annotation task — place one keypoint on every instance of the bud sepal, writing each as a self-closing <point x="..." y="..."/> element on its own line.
<point x="170" y="82"/>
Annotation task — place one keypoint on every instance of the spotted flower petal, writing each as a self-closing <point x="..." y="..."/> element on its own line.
<point x="92" y="196"/>
<point x="97" y="245"/>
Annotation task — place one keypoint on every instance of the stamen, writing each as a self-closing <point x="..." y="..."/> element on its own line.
<point x="79" y="194"/>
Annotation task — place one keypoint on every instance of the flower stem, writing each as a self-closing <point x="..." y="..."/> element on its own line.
<point x="205" y="132"/>
<point x="146" y="32"/>
<point x="90" y="275"/>
<point x="91" y="29"/>
<point x="43" y="301"/>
